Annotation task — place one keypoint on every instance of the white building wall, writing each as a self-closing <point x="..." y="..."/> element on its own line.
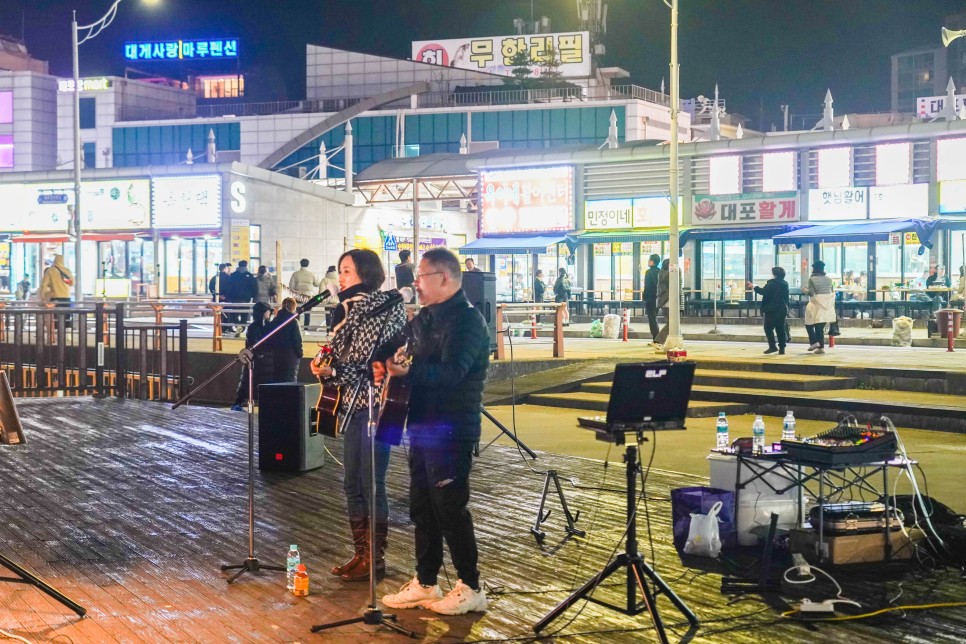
<point x="34" y="126"/>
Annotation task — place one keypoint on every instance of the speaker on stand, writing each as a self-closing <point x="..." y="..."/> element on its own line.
<point x="287" y="437"/>
<point x="480" y="289"/>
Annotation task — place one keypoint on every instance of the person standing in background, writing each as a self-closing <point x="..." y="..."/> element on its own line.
<point x="821" y="306"/>
<point x="305" y="283"/>
<point x="263" y="366"/>
<point x="539" y="287"/>
<point x="56" y="284"/>
<point x="651" y="281"/>
<point x="266" y="287"/>
<point x="561" y="293"/>
<point x="286" y="344"/>
<point x="404" y="272"/>
<point x="470" y="265"/>
<point x="241" y="288"/>
<point x="774" y="309"/>
<point x="23" y="288"/>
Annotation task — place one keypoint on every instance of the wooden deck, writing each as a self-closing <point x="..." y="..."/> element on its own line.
<point x="130" y="508"/>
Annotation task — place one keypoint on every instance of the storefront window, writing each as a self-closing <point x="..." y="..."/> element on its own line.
<point x="647" y="249"/>
<point x="788" y="258"/>
<point x="831" y="254"/>
<point x="5" y="267"/>
<point x="602" y="271"/>
<point x="888" y="266"/>
<point x="855" y="265"/>
<point x="513" y="278"/>
<point x="957" y="255"/>
<point x="734" y="270"/>
<point x="554" y="258"/>
<point x="207" y="257"/>
<point x="915" y="267"/>
<point x="141" y="268"/>
<point x="710" y="270"/>
<point x="762" y="260"/>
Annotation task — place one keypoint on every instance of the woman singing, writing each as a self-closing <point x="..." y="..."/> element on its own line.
<point x="355" y="333"/>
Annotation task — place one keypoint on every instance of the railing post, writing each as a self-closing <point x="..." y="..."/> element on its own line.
<point x="18" y="375"/>
<point x="120" y="361"/>
<point x="182" y="358"/>
<point x="82" y="388"/>
<point x="558" y="335"/>
<point x="533" y="326"/>
<point x="216" y="327"/>
<point x="99" y="335"/>
<point x="500" y="349"/>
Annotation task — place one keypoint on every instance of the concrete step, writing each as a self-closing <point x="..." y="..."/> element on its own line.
<point x="598" y="402"/>
<point x="753" y="380"/>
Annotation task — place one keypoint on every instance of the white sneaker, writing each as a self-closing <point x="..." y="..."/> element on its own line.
<point x="813" y="346"/>
<point x="820" y="350"/>
<point x="461" y="600"/>
<point x="413" y="595"/>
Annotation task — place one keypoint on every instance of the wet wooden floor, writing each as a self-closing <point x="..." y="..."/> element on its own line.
<point x="130" y="508"/>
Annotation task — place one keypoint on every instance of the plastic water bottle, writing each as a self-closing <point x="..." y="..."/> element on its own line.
<point x="301" y="587"/>
<point x="788" y="427"/>
<point x="292" y="563"/>
<point x="758" y="435"/>
<point x="722" y="431"/>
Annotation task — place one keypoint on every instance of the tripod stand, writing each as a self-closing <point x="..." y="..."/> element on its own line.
<point x="638" y="572"/>
<point x="24" y="576"/>
<point x="506" y="431"/>
<point x="246" y="357"/>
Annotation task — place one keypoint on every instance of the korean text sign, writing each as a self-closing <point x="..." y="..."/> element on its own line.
<point x="493" y="55"/>
<point x="186" y="202"/>
<point x="750" y="208"/>
<point x="216" y="48"/>
<point x="530" y="200"/>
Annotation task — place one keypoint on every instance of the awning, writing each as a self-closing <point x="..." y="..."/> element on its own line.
<point x="618" y="237"/>
<point x="59" y="238"/>
<point x="859" y="231"/>
<point x="511" y="245"/>
<point x="744" y="232"/>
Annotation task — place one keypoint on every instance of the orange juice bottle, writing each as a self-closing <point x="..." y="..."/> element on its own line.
<point x="301" y="581"/>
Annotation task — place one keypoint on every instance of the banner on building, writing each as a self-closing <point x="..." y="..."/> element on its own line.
<point x="624" y="214"/>
<point x="527" y="201"/>
<point x="494" y="54"/>
<point x="186" y="202"/>
<point x="952" y="197"/>
<point x="749" y="208"/>
<point x="112" y="204"/>
<point x="931" y="106"/>
<point x="838" y="204"/>
<point x="899" y="202"/>
<point x="240" y="240"/>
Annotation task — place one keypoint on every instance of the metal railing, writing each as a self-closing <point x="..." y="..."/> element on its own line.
<point x="477" y="96"/>
<point x="91" y="350"/>
<point x="528" y="313"/>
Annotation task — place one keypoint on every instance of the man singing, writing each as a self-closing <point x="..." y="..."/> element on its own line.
<point x="450" y="353"/>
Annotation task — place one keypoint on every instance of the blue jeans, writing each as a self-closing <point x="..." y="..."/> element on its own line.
<point x="357" y="480"/>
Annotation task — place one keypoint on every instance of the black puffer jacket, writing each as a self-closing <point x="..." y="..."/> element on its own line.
<point x="774" y="297"/>
<point x="451" y="351"/>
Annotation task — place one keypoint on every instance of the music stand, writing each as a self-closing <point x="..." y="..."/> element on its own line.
<point x="644" y="397"/>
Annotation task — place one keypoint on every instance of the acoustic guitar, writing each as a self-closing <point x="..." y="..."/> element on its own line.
<point x="327" y="417"/>
<point x="394" y="405"/>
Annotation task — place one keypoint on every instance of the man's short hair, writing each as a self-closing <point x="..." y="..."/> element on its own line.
<point x="243" y="264"/>
<point x="289" y="304"/>
<point x="404" y="255"/>
<point x="444" y="260"/>
<point x="262" y="269"/>
<point x="368" y="267"/>
<point x="778" y="272"/>
<point x="304" y="263"/>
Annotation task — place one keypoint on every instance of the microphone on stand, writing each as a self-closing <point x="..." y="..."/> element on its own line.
<point x="314" y="301"/>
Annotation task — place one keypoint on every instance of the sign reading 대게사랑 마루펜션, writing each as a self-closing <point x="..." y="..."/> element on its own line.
<point x="495" y="54"/>
<point x="160" y="50"/>
<point x="751" y="208"/>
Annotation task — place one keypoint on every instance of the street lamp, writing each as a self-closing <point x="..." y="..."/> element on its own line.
<point x="81" y="34"/>
<point x="674" y="339"/>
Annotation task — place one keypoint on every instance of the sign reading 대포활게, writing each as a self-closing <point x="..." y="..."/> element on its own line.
<point x="495" y="55"/>
<point x="527" y="201"/>
<point x="750" y="208"/>
<point x="215" y="48"/>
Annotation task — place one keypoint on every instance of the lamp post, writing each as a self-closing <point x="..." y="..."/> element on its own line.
<point x="674" y="339"/>
<point x="79" y="35"/>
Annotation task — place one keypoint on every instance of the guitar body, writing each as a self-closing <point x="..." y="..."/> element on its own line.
<point x="327" y="422"/>
<point x="393" y="411"/>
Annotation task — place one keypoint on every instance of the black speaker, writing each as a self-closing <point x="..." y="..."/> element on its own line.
<point x="286" y="441"/>
<point x="480" y="289"/>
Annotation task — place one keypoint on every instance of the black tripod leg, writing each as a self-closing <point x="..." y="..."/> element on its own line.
<point x="28" y="577"/>
<point x="637" y="569"/>
<point x="506" y="431"/>
<point x="664" y="589"/>
<point x="619" y="562"/>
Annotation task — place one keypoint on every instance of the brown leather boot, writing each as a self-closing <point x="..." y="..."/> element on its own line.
<point x="361" y="572"/>
<point x="360" y="530"/>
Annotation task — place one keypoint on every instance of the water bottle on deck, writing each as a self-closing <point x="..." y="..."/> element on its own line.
<point x="788" y="427"/>
<point x="758" y="435"/>
<point x="291" y="565"/>
<point x="723" y="441"/>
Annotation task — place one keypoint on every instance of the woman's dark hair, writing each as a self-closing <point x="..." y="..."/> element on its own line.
<point x="262" y="270"/>
<point x="778" y="272"/>
<point x="561" y="271"/>
<point x="818" y="266"/>
<point x="368" y="267"/>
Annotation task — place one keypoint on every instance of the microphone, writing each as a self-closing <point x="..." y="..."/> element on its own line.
<point x="314" y="301"/>
<point x="395" y="297"/>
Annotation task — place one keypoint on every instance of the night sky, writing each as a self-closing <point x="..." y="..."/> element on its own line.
<point x="762" y="53"/>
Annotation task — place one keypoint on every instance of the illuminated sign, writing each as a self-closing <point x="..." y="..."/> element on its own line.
<point x="495" y="55"/>
<point x="532" y="200"/>
<point x="642" y="212"/>
<point x="928" y="107"/>
<point x="899" y="202"/>
<point x="952" y="197"/>
<point x="750" y="208"/>
<point x="186" y="202"/>
<point x="838" y="204"/>
<point x="87" y="84"/>
<point x="113" y="204"/>
<point x="181" y="49"/>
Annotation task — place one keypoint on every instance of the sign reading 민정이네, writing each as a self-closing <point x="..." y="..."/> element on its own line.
<point x="527" y="201"/>
<point x="112" y="204"/>
<point x="616" y="214"/>
<point x="494" y="55"/>
<point x="189" y="203"/>
<point x="750" y="208"/>
<point x="182" y="49"/>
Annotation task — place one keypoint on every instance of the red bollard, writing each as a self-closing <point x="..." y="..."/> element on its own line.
<point x="949" y="332"/>
<point x="626" y="318"/>
<point x="533" y="326"/>
<point x="831" y="342"/>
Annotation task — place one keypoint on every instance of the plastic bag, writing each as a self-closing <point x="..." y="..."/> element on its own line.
<point x="703" y="539"/>
<point x="686" y="501"/>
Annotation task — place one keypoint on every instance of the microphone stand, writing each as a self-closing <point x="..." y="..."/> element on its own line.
<point x="246" y="357"/>
<point x="373" y="615"/>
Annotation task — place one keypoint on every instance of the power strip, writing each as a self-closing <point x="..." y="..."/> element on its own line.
<point x="808" y="606"/>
